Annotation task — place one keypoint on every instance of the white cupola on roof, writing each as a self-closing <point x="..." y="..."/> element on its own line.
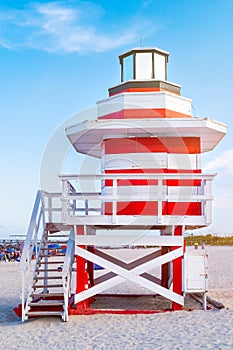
<point x="144" y="64"/>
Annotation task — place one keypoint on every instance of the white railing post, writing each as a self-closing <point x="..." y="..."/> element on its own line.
<point x="23" y="296"/>
<point x="160" y="200"/>
<point x="28" y="270"/>
<point x="208" y="205"/>
<point x="66" y="273"/>
<point x="114" y="201"/>
<point x="46" y="252"/>
<point x="64" y="200"/>
<point x="201" y="192"/>
<point x="50" y="212"/>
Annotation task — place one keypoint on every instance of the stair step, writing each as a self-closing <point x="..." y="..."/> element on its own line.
<point x="53" y="248"/>
<point x="46" y="304"/>
<point x="46" y="270"/>
<point x="44" y="313"/>
<point x="48" y="277"/>
<point x="49" y="256"/>
<point x="46" y="248"/>
<point x="58" y="236"/>
<point x="56" y="242"/>
<point x="44" y="295"/>
<point x="47" y="286"/>
<point x="51" y="262"/>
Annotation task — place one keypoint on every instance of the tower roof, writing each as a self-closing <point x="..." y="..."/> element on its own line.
<point x="86" y="137"/>
<point x="144" y="49"/>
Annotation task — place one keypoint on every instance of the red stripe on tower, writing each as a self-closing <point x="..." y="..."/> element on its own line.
<point x="139" y="105"/>
<point x="144" y="113"/>
<point x="148" y="156"/>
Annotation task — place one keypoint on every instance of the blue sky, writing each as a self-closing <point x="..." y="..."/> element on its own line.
<point x="60" y="57"/>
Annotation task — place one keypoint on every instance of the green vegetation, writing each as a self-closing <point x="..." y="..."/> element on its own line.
<point x="209" y="240"/>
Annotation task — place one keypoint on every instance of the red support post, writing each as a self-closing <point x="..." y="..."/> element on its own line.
<point x="81" y="273"/>
<point x="177" y="272"/>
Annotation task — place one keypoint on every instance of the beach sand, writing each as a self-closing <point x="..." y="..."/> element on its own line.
<point x="172" y="330"/>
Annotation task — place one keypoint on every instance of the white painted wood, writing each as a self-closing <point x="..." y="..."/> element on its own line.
<point x="140" y="100"/>
<point x="141" y="176"/>
<point x="128" y="266"/>
<point x="128" y="275"/>
<point x="122" y="240"/>
<point x="114" y="204"/>
<point x="134" y="190"/>
<point x="160" y="199"/>
<point x="99" y="288"/>
<point x="183" y="161"/>
<point x="91" y="133"/>
<point x="151" y="195"/>
<point x="196" y="272"/>
<point x="204" y="301"/>
<point x="158" y="261"/>
<point x="88" y="205"/>
<point x="136" y="221"/>
<point x="208" y="203"/>
<point x="151" y="160"/>
<point x="135" y="160"/>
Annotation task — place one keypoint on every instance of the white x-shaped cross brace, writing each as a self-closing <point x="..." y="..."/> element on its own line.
<point x="134" y="275"/>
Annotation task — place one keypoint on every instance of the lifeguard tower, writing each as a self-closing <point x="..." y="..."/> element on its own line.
<point x="149" y="190"/>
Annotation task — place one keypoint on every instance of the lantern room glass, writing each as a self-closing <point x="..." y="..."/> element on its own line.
<point x="128" y="68"/>
<point x="143" y="64"/>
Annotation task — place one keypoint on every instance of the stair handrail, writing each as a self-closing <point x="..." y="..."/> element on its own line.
<point x="37" y="220"/>
<point x="34" y="225"/>
<point x="67" y="272"/>
<point x="25" y="306"/>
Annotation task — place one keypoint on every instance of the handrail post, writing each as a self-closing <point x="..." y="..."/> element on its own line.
<point x="46" y="252"/>
<point x="50" y="212"/>
<point x="114" y="201"/>
<point x="66" y="273"/>
<point x="201" y="191"/>
<point x="208" y="205"/>
<point x="160" y="200"/>
<point x="22" y="296"/>
<point x="65" y="202"/>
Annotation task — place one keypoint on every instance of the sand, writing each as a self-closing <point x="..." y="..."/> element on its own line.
<point x="173" y="330"/>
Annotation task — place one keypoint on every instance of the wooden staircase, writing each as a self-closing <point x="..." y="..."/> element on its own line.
<point x="46" y="280"/>
<point x="46" y="295"/>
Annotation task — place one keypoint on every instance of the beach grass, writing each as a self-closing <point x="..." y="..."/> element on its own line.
<point x="209" y="240"/>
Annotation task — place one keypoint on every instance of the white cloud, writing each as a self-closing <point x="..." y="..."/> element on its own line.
<point x="67" y="27"/>
<point x="223" y="162"/>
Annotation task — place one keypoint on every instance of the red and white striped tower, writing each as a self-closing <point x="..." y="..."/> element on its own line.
<point x="145" y="127"/>
<point x="148" y="95"/>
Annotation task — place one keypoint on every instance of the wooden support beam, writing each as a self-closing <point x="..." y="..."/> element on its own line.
<point x="132" y="275"/>
<point x="177" y="272"/>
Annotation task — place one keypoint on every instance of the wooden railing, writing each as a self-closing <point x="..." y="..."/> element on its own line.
<point x="88" y="205"/>
<point x="42" y="213"/>
<point x="34" y="235"/>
